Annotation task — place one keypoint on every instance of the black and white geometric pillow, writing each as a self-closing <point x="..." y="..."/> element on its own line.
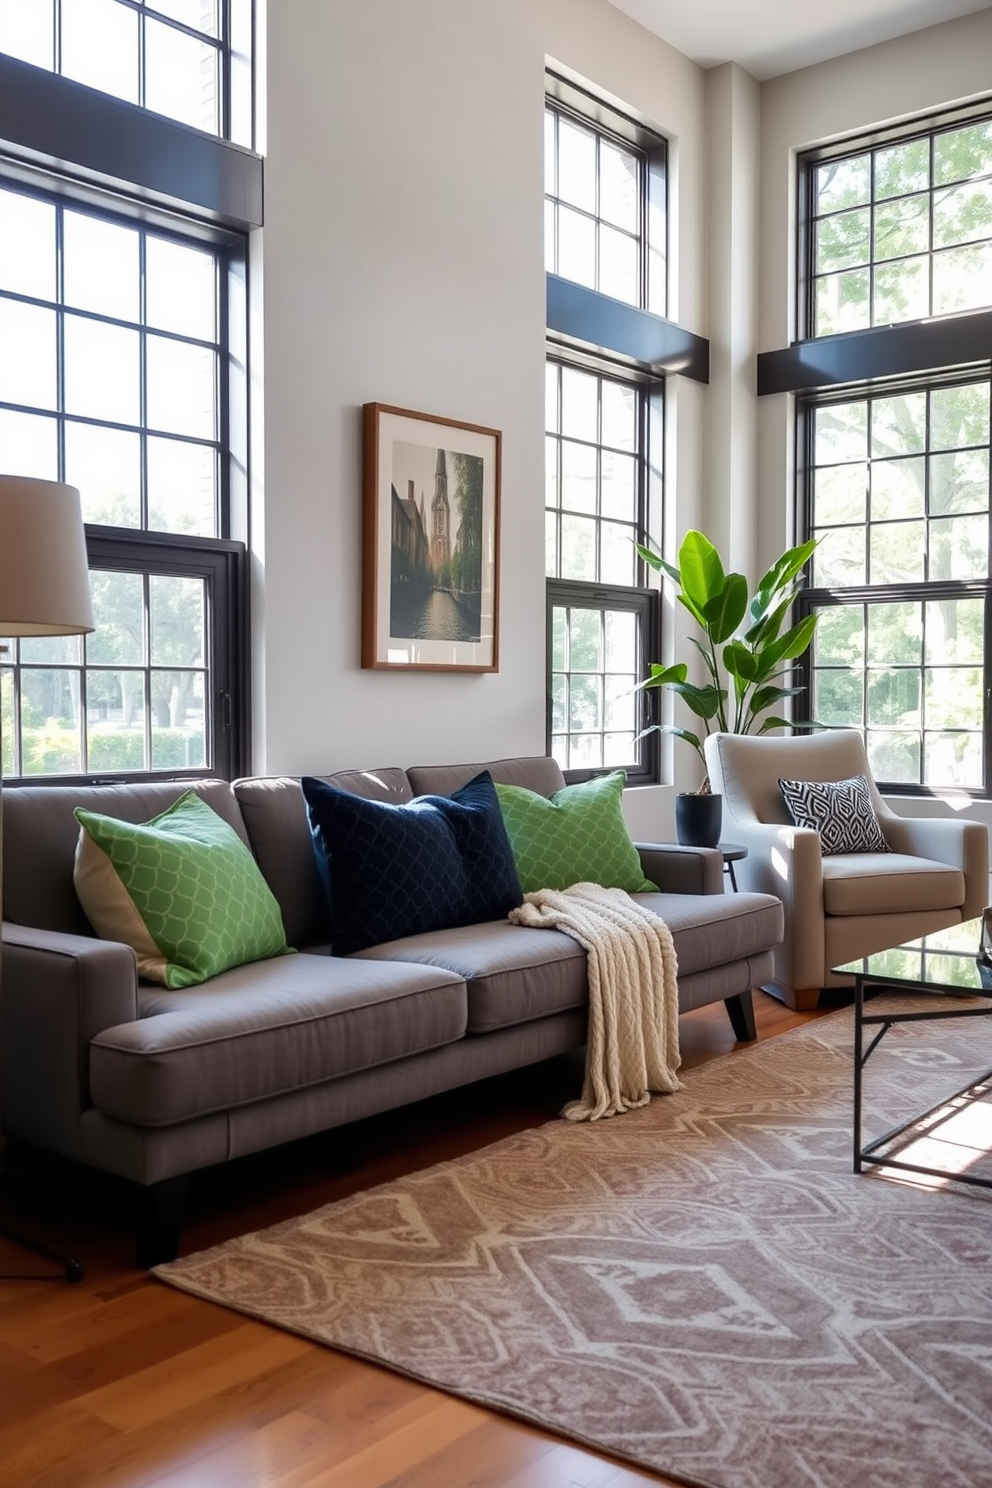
<point x="840" y="810"/>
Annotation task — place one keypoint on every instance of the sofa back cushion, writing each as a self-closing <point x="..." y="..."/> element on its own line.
<point x="537" y="772"/>
<point x="275" y="816"/>
<point x="40" y="834"/>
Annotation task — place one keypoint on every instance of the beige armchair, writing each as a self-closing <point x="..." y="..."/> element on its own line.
<point x="849" y="904"/>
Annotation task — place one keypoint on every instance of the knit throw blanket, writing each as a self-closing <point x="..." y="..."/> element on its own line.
<point x="633" y="1046"/>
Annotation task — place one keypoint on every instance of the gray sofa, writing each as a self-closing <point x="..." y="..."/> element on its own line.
<point x="152" y="1084"/>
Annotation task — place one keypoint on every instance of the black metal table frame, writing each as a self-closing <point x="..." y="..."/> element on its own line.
<point x="870" y="1152"/>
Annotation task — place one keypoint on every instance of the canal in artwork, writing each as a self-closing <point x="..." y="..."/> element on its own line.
<point x="433" y="615"/>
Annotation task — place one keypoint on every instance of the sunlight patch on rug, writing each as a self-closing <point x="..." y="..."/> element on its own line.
<point x="702" y="1286"/>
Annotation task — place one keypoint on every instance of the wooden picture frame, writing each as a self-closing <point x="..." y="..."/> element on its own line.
<point x="430" y="562"/>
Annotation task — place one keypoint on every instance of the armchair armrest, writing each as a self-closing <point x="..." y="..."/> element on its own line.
<point x="682" y="870"/>
<point x="964" y="844"/>
<point x="56" y="992"/>
<point x="786" y="861"/>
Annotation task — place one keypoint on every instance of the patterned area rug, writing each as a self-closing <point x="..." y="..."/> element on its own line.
<point x="702" y="1286"/>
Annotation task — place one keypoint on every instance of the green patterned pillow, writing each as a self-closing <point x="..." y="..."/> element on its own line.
<point x="578" y="835"/>
<point x="182" y="889"/>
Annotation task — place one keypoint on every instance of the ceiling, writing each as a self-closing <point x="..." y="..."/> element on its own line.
<point x="768" y="37"/>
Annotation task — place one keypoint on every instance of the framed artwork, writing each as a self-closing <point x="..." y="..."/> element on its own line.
<point x="430" y="579"/>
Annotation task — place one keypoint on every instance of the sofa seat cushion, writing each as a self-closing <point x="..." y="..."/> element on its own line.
<point x="260" y="1030"/>
<point x="710" y="930"/>
<point x="889" y="883"/>
<point x="515" y="973"/>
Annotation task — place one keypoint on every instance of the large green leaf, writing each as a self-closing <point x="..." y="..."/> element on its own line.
<point x="701" y="572"/>
<point x="763" y="697"/>
<point x="655" y="561"/>
<point x="780" y="575"/>
<point x="665" y="676"/>
<point x="787" y="648"/>
<point x="725" y="611"/>
<point x="703" y="701"/>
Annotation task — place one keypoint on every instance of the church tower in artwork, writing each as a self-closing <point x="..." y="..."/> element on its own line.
<point x="440" y="515"/>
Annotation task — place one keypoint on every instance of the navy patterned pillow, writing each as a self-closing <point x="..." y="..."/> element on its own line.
<point x="430" y="864"/>
<point x="840" y="810"/>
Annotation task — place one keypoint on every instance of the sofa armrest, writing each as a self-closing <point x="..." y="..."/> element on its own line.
<point x="682" y="870"/>
<point x="57" y="992"/>
<point x="964" y="844"/>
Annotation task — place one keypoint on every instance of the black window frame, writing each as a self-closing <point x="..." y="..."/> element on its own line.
<point x="94" y="151"/>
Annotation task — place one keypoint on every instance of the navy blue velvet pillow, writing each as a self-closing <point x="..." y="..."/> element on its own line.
<point x="431" y="864"/>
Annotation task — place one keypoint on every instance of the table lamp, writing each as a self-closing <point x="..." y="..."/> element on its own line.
<point x="44" y="591"/>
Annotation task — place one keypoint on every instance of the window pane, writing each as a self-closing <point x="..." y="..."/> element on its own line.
<point x="51" y="732"/>
<point x="578" y="548"/>
<point x="577" y="247"/>
<point x="842" y="241"/>
<point x="27" y="246"/>
<point x="29" y="445"/>
<point x="895" y="634"/>
<point x="618" y="186"/>
<point x="551" y="396"/>
<point x="27" y="31"/>
<point x="178" y="729"/>
<point x="585" y="703"/>
<point x="896" y="553"/>
<point x="899" y="425"/>
<point x="840" y="560"/>
<point x="579" y="393"/>
<point x="902" y="291"/>
<point x="182" y="487"/>
<point x="962" y="153"/>
<point x="618" y="266"/>
<point x="550" y="249"/>
<point x="181" y="289"/>
<point x="902" y="168"/>
<point x="894" y="757"/>
<point x="954" y="697"/>
<point x="551" y="564"/>
<point x="962" y="278"/>
<point x="550" y="471"/>
<point x="959" y="548"/>
<point x="181" y="76"/>
<point x="585" y="640"/>
<point x="199" y="15"/>
<point x="176" y="615"/>
<point x="955" y="630"/>
<point x="182" y="388"/>
<point x="839" y="494"/>
<point x="115" y="721"/>
<point x="841" y="433"/>
<point x="119" y="615"/>
<point x="559" y="638"/>
<point x="893" y="697"/>
<point x="101" y="267"/>
<point x="576" y="165"/>
<point x="616" y="561"/>
<point x="962" y="214"/>
<point x="959" y="416"/>
<point x="842" y="302"/>
<point x="621" y="703"/>
<point x="578" y="477"/>
<point x="27" y="355"/>
<point x="840" y="636"/>
<point x="959" y="482"/>
<point x="105" y="464"/>
<point x="842" y="183"/>
<point x="618" y="494"/>
<point x="100" y="46"/>
<point x="838" y="697"/>
<point x="621" y="641"/>
<point x="550" y="162"/>
<point x="898" y="488"/>
<point x="902" y="227"/>
<point x="954" y="760"/>
<point x="619" y="413"/>
<point x="102" y="376"/>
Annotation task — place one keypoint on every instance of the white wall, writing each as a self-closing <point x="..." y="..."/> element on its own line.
<point x="403" y="263"/>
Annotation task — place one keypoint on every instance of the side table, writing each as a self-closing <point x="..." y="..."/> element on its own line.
<point x="733" y="852"/>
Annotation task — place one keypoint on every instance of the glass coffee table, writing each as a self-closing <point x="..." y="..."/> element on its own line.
<point x="937" y="969"/>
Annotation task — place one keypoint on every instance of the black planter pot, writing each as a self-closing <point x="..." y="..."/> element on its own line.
<point x="698" y="820"/>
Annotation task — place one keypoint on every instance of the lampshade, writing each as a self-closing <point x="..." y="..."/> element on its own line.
<point x="44" y="576"/>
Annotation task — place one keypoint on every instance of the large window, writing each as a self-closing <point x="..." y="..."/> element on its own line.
<point x="895" y="477"/>
<point x="187" y="59"/>
<point x="604" y="207"/>
<point x="602" y="617"/>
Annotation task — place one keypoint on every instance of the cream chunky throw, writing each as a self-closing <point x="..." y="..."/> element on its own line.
<point x="633" y="1046"/>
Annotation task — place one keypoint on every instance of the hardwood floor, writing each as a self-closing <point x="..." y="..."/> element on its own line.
<point x="120" y="1381"/>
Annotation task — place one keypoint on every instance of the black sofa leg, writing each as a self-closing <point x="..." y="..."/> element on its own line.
<point x="740" y="1010"/>
<point x="160" y="1220"/>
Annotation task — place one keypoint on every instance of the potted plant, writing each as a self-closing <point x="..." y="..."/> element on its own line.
<point x="748" y="648"/>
